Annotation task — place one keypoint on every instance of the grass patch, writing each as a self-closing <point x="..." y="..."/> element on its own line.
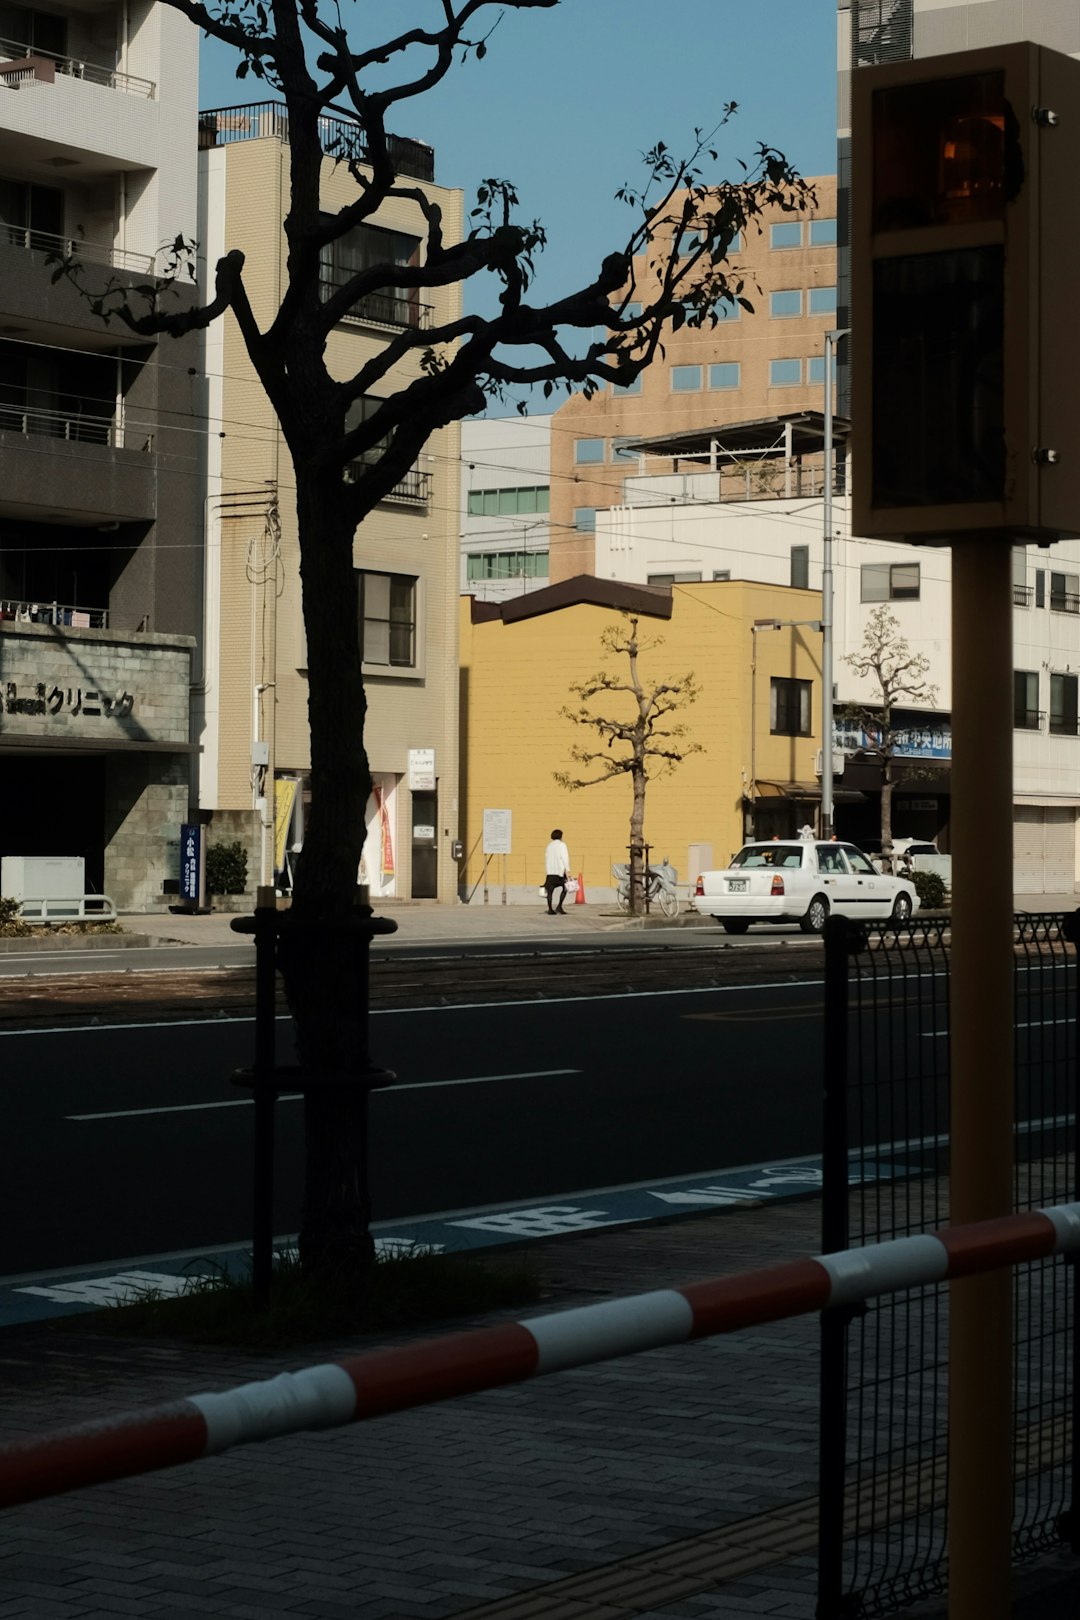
<point x="403" y="1290"/>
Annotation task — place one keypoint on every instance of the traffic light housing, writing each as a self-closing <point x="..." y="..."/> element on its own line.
<point x="965" y="355"/>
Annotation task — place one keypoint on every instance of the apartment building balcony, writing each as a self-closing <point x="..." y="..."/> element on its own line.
<point x="259" y="120"/>
<point x="413" y="490"/>
<point x="61" y="615"/>
<point x="384" y="309"/>
<point x="52" y="243"/>
<point x="21" y="65"/>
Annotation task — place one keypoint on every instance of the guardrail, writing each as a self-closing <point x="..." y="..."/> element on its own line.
<point x="395" y="1380"/>
<point x="79" y="908"/>
<point x="35" y="241"/>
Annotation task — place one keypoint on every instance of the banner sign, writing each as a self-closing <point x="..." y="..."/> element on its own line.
<point x="193" y="865"/>
<point x="910" y="742"/>
<point x="386" y="839"/>
<point x="284" y="799"/>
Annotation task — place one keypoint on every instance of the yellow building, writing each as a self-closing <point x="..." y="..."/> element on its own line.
<point x="254" y="726"/>
<point x="518" y="659"/>
<point x="745" y="368"/>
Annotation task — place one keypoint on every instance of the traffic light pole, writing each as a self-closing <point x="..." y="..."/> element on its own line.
<point x="980" y="1308"/>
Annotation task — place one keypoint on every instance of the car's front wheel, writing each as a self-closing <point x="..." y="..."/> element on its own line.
<point x="902" y="908"/>
<point x="817" y="914"/>
<point x="735" y="925"/>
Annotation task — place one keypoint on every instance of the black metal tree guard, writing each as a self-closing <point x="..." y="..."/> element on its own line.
<point x="267" y="1079"/>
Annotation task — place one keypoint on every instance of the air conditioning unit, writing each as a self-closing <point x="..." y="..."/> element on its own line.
<point x="837" y="762"/>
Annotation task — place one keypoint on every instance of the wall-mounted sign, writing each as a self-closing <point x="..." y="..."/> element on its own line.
<point x="40" y="698"/>
<point x="497" y="830"/>
<point x="912" y="742"/>
<point x="421" y="770"/>
<point x="193" y="865"/>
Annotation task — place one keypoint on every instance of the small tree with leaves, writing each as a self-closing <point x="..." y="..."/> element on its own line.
<point x="643" y="745"/>
<point x="899" y="681"/>
<point x="353" y="439"/>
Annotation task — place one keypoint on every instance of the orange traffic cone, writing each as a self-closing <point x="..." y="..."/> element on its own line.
<point x="579" y="898"/>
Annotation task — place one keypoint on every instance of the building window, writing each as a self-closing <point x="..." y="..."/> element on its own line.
<point x="822" y="300"/>
<point x="786" y="235"/>
<point x="823" y="233"/>
<point x="1026" y="716"/>
<point x="625" y="450"/>
<point x="727" y="309"/>
<point x="800" y="568"/>
<point x="789" y="707"/>
<point x="721" y="573"/>
<point x="784" y="373"/>
<point x="725" y="375"/>
<point x="589" y="451"/>
<point x="585" y="519"/>
<point x="685" y="379"/>
<point x="362" y="248"/>
<point x="786" y="303"/>
<point x="1063" y="705"/>
<point x="1065" y="593"/>
<point x="630" y="388"/>
<point x="1040" y="587"/>
<point x="506" y="565"/>
<point x="509" y="502"/>
<point x="889" y="582"/>
<point x="387" y="619"/>
<point x="674" y="579"/>
<point x="815" y="368"/>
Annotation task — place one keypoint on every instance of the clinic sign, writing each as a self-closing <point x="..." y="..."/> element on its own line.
<point x="193" y="866"/>
<point x="421" y="770"/>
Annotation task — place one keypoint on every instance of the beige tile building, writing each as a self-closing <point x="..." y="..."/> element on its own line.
<point x="745" y="368"/>
<point x="254" y="728"/>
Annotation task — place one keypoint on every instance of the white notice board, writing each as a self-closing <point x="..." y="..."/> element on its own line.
<point x="497" y="832"/>
<point x="421" y="770"/>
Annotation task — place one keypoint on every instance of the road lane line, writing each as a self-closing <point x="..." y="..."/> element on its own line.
<point x="295" y="1096"/>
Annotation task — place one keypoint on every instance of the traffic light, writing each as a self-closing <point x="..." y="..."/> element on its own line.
<point x="965" y="329"/>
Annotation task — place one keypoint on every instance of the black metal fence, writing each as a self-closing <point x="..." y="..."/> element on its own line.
<point x="884" y="1422"/>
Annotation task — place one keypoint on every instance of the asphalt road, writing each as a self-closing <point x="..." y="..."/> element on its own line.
<point x="130" y="1140"/>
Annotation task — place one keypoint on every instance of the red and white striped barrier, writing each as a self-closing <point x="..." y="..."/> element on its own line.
<point x="384" y="1381"/>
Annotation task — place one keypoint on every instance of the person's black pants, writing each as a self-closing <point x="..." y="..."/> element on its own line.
<point x="551" y="883"/>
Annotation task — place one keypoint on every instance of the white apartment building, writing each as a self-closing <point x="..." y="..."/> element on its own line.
<point x="101" y="506"/>
<point x="747" y="518"/>
<point x="505" y="496"/>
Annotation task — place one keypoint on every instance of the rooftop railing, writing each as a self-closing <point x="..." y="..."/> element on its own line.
<point x="224" y="125"/>
<point x="33" y="63"/>
<point x="56" y="613"/>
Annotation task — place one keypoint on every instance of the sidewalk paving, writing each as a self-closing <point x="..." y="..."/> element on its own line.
<point x="625" y="1489"/>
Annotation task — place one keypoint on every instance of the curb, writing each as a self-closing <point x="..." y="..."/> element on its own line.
<point x="18" y="945"/>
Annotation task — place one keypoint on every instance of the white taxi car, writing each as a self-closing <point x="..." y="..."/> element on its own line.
<point x="797" y="880"/>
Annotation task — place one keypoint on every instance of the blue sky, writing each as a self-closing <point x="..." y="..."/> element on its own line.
<point x="566" y="100"/>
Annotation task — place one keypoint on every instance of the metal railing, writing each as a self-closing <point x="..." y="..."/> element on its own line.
<point x="35" y="241"/>
<point x="73" y="67"/>
<point x="412" y="490"/>
<point x="1023" y="595"/>
<point x="386" y="309"/>
<point x="221" y="126"/>
<point x="884" y="1417"/>
<point x="1028" y="719"/>
<point x="1064" y="602"/>
<point x="1064" y="725"/>
<point x="57" y="613"/>
<point x="19" y="416"/>
<point x="79" y="908"/>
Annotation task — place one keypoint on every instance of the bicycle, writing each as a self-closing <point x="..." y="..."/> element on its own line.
<point x="659" y="887"/>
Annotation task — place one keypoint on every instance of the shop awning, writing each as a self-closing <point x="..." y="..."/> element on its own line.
<point x="810" y="791"/>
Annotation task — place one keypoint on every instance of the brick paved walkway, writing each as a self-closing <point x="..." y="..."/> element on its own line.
<point x="675" y="1485"/>
<point x="447" y="1510"/>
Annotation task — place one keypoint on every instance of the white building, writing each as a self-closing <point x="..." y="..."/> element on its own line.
<point x="757" y="514"/>
<point x="505" y="496"/>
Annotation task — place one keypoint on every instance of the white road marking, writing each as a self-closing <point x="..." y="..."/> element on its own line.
<point x="1035" y="1023"/>
<point x="295" y="1096"/>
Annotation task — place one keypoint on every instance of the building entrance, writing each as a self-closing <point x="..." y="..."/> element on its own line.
<point x="55" y="806"/>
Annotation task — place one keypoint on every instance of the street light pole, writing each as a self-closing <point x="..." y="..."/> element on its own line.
<point x="831" y="340"/>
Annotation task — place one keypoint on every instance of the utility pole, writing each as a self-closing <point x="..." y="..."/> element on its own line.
<point x="831" y="340"/>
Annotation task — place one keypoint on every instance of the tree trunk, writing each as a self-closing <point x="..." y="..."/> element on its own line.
<point x="324" y="945"/>
<point x="886" y="815"/>
<point x="638" y="874"/>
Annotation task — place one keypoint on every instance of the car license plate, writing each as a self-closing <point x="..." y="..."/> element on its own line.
<point x="736" y="885"/>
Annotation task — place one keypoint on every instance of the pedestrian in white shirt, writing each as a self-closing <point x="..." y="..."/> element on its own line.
<point x="557" y="870"/>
